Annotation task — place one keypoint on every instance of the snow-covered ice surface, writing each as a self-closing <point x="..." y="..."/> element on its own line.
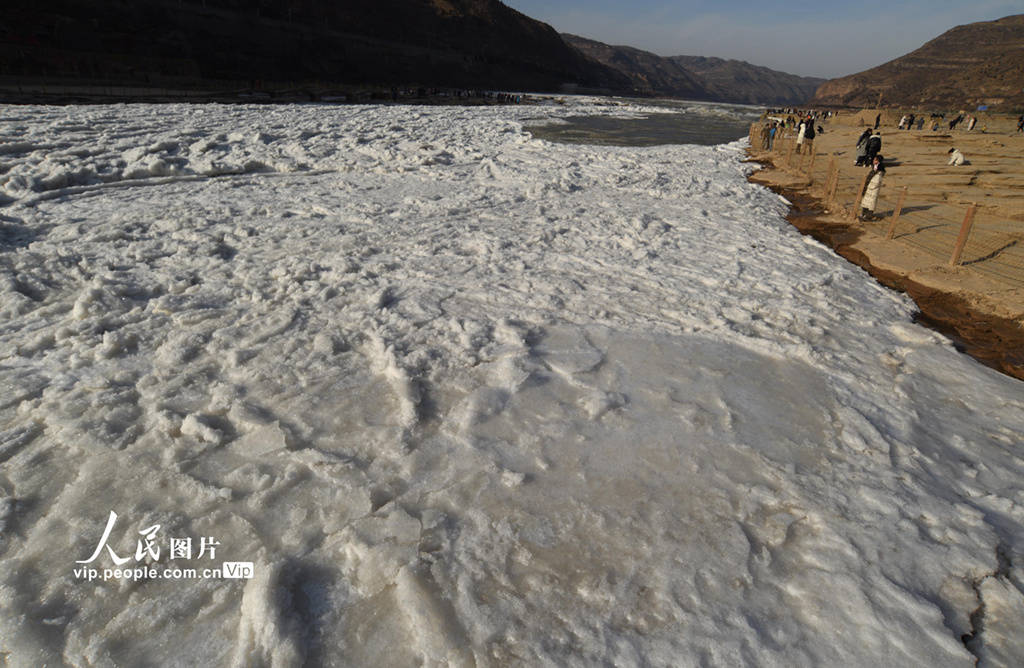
<point x="466" y="397"/>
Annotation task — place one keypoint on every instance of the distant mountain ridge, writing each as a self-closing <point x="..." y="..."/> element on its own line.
<point x="699" y="78"/>
<point x="740" y="81"/>
<point x="649" y="73"/>
<point x="970" y="65"/>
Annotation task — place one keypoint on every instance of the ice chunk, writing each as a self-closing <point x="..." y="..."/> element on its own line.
<point x="196" y="427"/>
<point x="261" y="441"/>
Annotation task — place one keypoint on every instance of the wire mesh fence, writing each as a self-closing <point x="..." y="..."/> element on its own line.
<point x="990" y="243"/>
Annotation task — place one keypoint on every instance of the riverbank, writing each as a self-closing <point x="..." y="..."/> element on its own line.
<point x="981" y="311"/>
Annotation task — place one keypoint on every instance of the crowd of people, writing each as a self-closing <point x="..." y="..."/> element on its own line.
<point x="792" y="114"/>
<point x="806" y="127"/>
<point x="805" y="123"/>
<point x="908" y="120"/>
<point x="869" y="146"/>
<point x="967" y="122"/>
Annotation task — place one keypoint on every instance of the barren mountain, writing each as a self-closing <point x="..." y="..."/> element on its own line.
<point x="473" y="43"/>
<point x="699" y="78"/>
<point x="650" y="74"/>
<point x="970" y="65"/>
<point x="739" y="81"/>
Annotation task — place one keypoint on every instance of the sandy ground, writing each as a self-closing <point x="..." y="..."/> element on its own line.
<point x="978" y="302"/>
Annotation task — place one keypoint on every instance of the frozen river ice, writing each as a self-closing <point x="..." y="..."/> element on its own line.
<point x="462" y="396"/>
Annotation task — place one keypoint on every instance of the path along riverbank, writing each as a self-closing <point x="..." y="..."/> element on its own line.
<point x="974" y="295"/>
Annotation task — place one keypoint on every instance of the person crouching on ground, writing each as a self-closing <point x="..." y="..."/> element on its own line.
<point x="873" y="184"/>
<point x="956" y="158"/>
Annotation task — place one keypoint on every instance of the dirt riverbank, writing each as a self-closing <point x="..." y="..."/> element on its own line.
<point x="984" y="317"/>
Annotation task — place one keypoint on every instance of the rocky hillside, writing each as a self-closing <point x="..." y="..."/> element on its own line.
<point x="649" y="73"/>
<point x="970" y="65"/>
<point x="739" y="81"/>
<point x="468" y="43"/>
<point x="699" y="78"/>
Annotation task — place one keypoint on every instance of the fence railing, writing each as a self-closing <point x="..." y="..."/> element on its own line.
<point x="957" y="234"/>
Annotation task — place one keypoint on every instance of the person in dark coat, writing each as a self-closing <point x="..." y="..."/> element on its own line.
<point x="874" y="146"/>
<point x="862" y="147"/>
<point x="809" y="136"/>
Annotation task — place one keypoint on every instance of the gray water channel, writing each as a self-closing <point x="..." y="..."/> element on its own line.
<point x="681" y="122"/>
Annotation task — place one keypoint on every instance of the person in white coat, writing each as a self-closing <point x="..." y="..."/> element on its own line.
<point x="956" y="158"/>
<point x="872" y="186"/>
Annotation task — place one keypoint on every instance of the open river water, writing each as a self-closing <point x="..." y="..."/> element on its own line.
<point x="681" y="122"/>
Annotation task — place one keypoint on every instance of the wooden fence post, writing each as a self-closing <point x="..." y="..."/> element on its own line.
<point x="965" y="232"/>
<point x="835" y="187"/>
<point x="896" y="213"/>
<point x="833" y="180"/>
<point x="810" y="168"/>
<point x="789" y="155"/>
<point x="860" y="197"/>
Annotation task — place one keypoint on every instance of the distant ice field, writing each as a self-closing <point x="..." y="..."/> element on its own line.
<point x="461" y="396"/>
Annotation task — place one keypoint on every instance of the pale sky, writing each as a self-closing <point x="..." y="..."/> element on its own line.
<point x="822" y="39"/>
